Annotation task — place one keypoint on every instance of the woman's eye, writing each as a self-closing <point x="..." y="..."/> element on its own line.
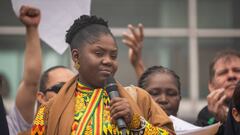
<point x="99" y="53"/>
<point x="172" y="93"/>
<point x="114" y="56"/>
<point x="153" y="93"/>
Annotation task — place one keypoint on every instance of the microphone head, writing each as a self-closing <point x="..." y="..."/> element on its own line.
<point x="110" y="84"/>
<point x="112" y="91"/>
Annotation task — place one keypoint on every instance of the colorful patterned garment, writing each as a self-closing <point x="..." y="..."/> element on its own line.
<point x="92" y="109"/>
<point x="83" y="98"/>
<point x="38" y="124"/>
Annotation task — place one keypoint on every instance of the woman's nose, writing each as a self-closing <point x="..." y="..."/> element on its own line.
<point x="107" y="60"/>
<point x="162" y="99"/>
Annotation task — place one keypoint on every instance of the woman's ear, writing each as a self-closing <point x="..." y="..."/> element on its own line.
<point x="75" y="58"/>
<point x="75" y="55"/>
<point x="236" y="115"/>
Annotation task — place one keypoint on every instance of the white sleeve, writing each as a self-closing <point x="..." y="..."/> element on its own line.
<point x="16" y="122"/>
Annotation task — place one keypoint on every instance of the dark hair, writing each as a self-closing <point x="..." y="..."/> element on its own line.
<point x="4" y="86"/>
<point x="44" y="77"/>
<point x="236" y="97"/>
<point x="142" y="82"/>
<point x="86" y="29"/>
<point x="227" y="54"/>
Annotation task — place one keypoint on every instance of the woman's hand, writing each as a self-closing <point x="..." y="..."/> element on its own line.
<point x="120" y="108"/>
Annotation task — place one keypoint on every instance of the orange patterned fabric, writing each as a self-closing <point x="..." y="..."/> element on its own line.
<point x="38" y="124"/>
<point x="151" y="130"/>
<point x="82" y="97"/>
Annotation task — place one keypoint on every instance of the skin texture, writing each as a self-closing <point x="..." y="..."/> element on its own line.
<point x="134" y="40"/>
<point x="163" y="89"/>
<point x="97" y="62"/>
<point x="158" y="88"/>
<point x="227" y="74"/>
<point x="54" y="77"/>
<point x="236" y="115"/>
<point x="28" y="87"/>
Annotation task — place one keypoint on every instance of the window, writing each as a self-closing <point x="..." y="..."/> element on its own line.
<point x="183" y="35"/>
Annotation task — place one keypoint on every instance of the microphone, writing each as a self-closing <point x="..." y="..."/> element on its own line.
<point x="112" y="91"/>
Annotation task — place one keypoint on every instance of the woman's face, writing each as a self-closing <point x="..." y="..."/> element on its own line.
<point x="98" y="61"/>
<point x="163" y="89"/>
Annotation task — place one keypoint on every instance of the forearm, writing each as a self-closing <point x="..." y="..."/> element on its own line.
<point x="32" y="58"/>
<point x="26" y="95"/>
<point x="139" y="68"/>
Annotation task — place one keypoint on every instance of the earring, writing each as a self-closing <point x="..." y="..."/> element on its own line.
<point x="77" y="66"/>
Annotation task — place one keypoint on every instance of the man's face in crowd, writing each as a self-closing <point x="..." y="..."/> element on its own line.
<point x="55" y="78"/>
<point x="227" y="74"/>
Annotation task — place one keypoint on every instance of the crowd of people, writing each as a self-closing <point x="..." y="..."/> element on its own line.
<point x="78" y="103"/>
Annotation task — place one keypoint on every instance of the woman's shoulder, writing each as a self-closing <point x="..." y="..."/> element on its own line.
<point x="136" y="88"/>
<point x="137" y="92"/>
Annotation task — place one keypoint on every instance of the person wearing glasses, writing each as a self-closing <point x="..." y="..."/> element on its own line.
<point x="51" y="82"/>
<point x="50" y="85"/>
<point x="22" y="114"/>
<point x="83" y="106"/>
<point x="20" y="118"/>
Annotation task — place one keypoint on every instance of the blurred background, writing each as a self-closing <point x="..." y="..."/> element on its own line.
<point x="183" y="35"/>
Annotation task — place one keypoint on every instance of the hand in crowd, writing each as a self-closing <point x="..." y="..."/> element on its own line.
<point x="216" y="104"/>
<point x="134" y="40"/>
<point x="120" y="108"/>
<point x="29" y="16"/>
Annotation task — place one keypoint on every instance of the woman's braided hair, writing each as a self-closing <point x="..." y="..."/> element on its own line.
<point x="86" y="29"/>
<point x="142" y="82"/>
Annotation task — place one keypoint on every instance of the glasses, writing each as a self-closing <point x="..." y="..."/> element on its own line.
<point x="55" y="88"/>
